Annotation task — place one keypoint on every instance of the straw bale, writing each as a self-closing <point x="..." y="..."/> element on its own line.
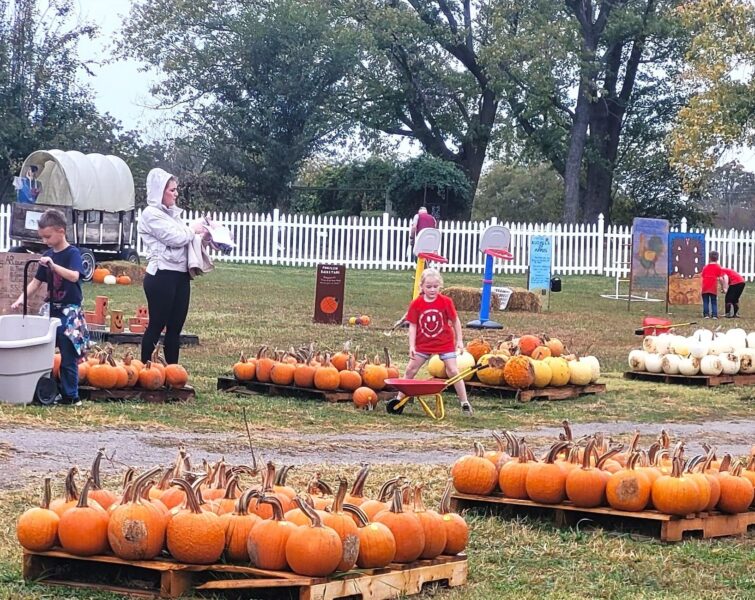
<point x="468" y="299"/>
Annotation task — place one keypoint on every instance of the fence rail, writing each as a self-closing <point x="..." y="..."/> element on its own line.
<point x="383" y="243"/>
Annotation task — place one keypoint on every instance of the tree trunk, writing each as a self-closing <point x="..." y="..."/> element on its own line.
<point x="573" y="166"/>
<point x="605" y="131"/>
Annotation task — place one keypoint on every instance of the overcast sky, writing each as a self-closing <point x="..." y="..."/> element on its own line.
<point x="123" y="91"/>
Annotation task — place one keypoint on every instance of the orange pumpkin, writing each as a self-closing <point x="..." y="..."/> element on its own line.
<point x="282" y="373"/>
<point x="123" y="279"/>
<point x="586" y="486"/>
<point x="37" y="528"/>
<point x="374" y="374"/>
<point x="102" y="375"/>
<point x="432" y="525"/>
<point x="244" y="370"/>
<point x="82" y="529"/>
<point x="546" y="481"/>
<point x="676" y="493"/>
<point x="541" y="352"/>
<point x="181" y="536"/>
<point x="265" y="365"/>
<point x="343" y="524"/>
<point x="377" y="546"/>
<point x="237" y="525"/>
<point x="457" y="530"/>
<point x="326" y="376"/>
<point x="365" y="398"/>
<point x="99" y="275"/>
<point x="478" y="347"/>
<point x="512" y="476"/>
<point x="474" y="474"/>
<point x="70" y="494"/>
<point x="528" y="343"/>
<point x="518" y="372"/>
<point x="176" y="376"/>
<point x="151" y="377"/>
<point x="340" y="360"/>
<point x="736" y="491"/>
<point x="630" y="488"/>
<point x="406" y="528"/>
<point x="266" y="542"/>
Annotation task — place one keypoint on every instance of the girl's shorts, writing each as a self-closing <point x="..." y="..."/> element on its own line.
<point x="442" y="355"/>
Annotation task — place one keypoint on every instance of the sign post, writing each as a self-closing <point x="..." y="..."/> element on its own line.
<point x="541" y="259"/>
<point x="329" y="292"/>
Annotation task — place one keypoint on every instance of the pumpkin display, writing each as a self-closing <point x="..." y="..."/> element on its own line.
<point x="519" y="372"/>
<point x="327" y="376"/>
<point x="406" y="528"/>
<point x="365" y="398"/>
<point x="37" y="528"/>
<point x="237" y="525"/>
<point x="546" y="481"/>
<point x="528" y="344"/>
<point x="474" y="474"/>
<point x="151" y="377"/>
<point x="343" y="524"/>
<point x="191" y="524"/>
<point x="82" y="529"/>
<point x="432" y="526"/>
<point x="374" y="374"/>
<point x="377" y="546"/>
<point x="99" y="275"/>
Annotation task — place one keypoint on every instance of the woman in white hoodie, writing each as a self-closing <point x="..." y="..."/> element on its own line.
<point x="167" y="282"/>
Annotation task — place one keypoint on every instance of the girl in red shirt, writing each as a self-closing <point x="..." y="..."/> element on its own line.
<point x="435" y="328"/>
<point x="734" y="285"/>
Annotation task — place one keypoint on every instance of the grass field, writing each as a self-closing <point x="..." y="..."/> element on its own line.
<point x="240" y="307"/>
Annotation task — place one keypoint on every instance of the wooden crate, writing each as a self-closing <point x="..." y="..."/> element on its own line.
<point x="706" y="380"/>
<point x="170" y="579"/>
<point x="100" y="334"/>
<point x="668" y="528"/>
<point x="547" y="393"/>
<point x="161" y="395"/>
<point x="257" y="388"/>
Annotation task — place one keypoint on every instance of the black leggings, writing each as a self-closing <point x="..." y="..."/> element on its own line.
<point x="732" y="298"/>
<point x="168" y="294"/>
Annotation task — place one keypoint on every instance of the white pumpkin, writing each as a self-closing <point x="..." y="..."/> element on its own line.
<point x="663" y="343"/>
<point x="580" y="373"/>
<point x="689" y="366"/>
<point x="637" y="360"/>
<point x="751" y="339"/>
<point x="670" y="364"/>
<point x="109" y="280"/>
<point x="746" y="360"/>
<point x="594" y="367"/>
<point x="653" y="362"/>
<point x="720" y="345"/>
<point x="698" y="349"/>
<point x="648" y="344"/>
<point x="679" y="345"/>
<point x="729" y="363"/>
<point x="710" y="365"/>
<point x="703" y="335"/>
<point x="737" y="338"/>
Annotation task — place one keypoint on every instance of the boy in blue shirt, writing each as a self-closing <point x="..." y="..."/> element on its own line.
<point x="61" y="266"/>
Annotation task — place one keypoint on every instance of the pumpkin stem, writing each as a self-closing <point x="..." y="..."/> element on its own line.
<point x="500" y="441"/>
<point x="611" y="452"/>
<point x="46" y="492"/>
<point x="357" y="490"/>
<point x="736" y="471"/>
<point x="361" y="516"/>
<point x="337" y="506"/>
<point x="140" y="483"/>
<point x="282" y="475"/>
<point x="445" y="499"/>
<point x="387" y="488"/>
<point x="387" y="356"/>
<point x="676" y="469"/>
<point x="419" y="504"/>
<point x="274" y="503"/>
<point x="663" y="439"/>
<point x="192" y="502"/>
<point x="634" y="441"/>
<point x="268" y="477"/>
<point x="318" y="487"/>
<point x="587" y="455"/>
<point x="725" y="463"/>
<point x="83" y="498"/>
<point x="556" y="448"/>
<point x="693" y="462"/>
<point x="242" y="504"/>
<point x="95" y="470"/>
<point x="309" y="511"/>
<point x="567" y="430"/>
<point x="479" y="450"/>
<point x="653" y="451"/>
<point x="231" y="487"/>
<point x="397" y="505"/>
<point x="71" y="492"/>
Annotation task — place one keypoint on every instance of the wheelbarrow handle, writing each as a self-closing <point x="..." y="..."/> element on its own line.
<point x="644" y="328"/>
<point x="465" y="373"/>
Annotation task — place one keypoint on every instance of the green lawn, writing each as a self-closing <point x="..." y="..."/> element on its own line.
<point x="241" y="307"/>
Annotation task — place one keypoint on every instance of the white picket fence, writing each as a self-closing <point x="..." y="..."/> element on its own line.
<point x="383" y="243"/>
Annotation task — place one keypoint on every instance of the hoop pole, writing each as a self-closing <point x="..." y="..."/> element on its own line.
<point x="417" y="276"/>
<point x="487" y="285"/>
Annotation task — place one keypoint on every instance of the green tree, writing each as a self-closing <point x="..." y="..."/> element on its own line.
<point x="721" y="67"/>
<point x="513" y="193"/>
<point x="256" y="81"/>
<point x="43" y="104"/>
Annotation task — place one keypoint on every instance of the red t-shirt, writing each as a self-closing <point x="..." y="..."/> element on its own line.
<point x="435" y="324"/>
<point x="733" y="276"/>
<point x="710" y="274"/>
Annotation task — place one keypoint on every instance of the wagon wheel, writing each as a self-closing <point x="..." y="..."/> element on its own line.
<point x="87" y="264"/>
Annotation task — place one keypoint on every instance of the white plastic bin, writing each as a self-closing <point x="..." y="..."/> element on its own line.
<point x="27" y="346"/>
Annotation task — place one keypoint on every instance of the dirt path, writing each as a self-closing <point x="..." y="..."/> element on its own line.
<point x="26" y="452"/>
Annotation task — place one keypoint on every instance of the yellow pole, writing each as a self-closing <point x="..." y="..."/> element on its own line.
<point x="417" y="275"/>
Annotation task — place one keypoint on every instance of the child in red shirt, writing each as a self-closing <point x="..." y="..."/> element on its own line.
<point x="734" y="285"/>
<point x="711" y="275"/>
<point x="435" y="328"/>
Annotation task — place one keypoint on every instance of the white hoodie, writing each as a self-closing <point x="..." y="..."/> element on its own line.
<point x="163" y="231"/>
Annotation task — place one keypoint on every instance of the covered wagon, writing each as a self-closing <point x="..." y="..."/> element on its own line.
<point x="96" y="194"/>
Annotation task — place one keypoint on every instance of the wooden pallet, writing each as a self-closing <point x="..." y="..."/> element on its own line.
<point x="257" y="388"/>
<point x="156" y="396"/>
<point x="547" y="393"/>
<point x="100" y="334"/>
<point x="668" y="528"/>
<point x="706" y="380"/>
<point x="170" y="579"/>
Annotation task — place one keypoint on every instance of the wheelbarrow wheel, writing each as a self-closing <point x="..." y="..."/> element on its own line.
<point x="390" y="407"/>
<point x="46" y="392"/>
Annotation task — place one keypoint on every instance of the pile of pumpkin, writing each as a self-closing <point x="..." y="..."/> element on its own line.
<point x="528" y="361"/>
<point x="103" y="275"/>
<point x="203" y="517"/>
<point x="590" y="472"/>
<point x="306" y="368"/>
<point x="103" y="371"/>
<point x="705" y="352"/>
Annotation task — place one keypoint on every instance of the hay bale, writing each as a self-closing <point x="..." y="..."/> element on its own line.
<point x="524" y="300"/>
<point x="122" y="267"/>
<point x="466" y="298"/>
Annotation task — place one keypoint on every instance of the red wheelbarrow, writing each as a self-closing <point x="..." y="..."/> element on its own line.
<point x="656" y="325"/>
<point x="418" y="388"/>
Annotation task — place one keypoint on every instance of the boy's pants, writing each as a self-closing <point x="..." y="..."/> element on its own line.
<point x="710" y="305"/>
<point x="69" y="366"/>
